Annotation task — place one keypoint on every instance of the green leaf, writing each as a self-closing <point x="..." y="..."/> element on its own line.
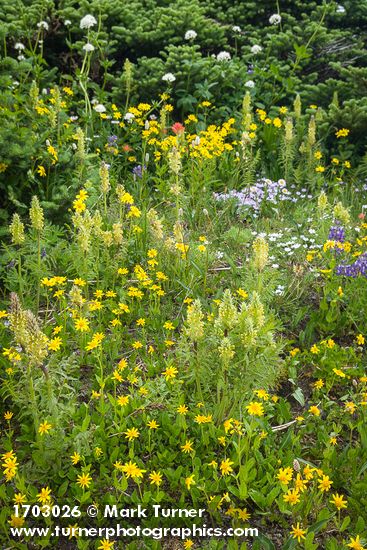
<point x="316" y="527"/>
<point x="298" y="396"/>
<point x="345" y="523"/>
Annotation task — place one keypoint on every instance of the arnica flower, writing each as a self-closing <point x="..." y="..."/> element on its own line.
<point x="130" y="469"/>
<point x="155" y="478"/>
<point x="255" y="409"/>
<point x="44" y="496"/>
<point x="343" y="132"/>
<point x="41" y="171"/>
<point x="356" y="544"/>
<point x="16" y="521"/>
<point x="19" y="498"/>
<point x="292" y="497"/>
<point x="75" y="458"/>
<point x="44" y="428"/>
<point x="338" y="501"/>
<point x="285" y="475"/>
<point x="106" y="545"/>
<point x="170" y="373"/>
<point x="324" y="483"/>
<point x="190" y="481"/>
<point x="55" y="344"/>
<point x="297" y="532"/>
<point x="131" y="434"/>
<point x="314" y="410"/>
<point x="153" y="425"/>
<point x="84" y="480"/>
<point x="226" y="467"/>
<point x="95" y="342"/>
<point x="81" y="324"/>
<point x="350" y="407"/>
<point x="187" y="447"/>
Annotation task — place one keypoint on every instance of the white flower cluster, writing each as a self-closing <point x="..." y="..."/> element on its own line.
<point x="129" y="117"/>
<point x="168" y="77"/>
<point x="190" y="35"/>
<point x="256" y="49"/>
<point x="43" y="25"/>
<point x="224" y="56"/>
<point x="19" y="46"/>
<point x="275" y="19"/>
<point x="236" y="29"/>
<point x="99" y="108"/>
<point x="88" y="21"/>
<point x="88" y="47"/>
<point x="250" y="84"/>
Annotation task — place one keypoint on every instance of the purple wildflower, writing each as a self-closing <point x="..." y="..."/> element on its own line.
<point x="138" y="171"/>
<point x="337" y="233"/>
